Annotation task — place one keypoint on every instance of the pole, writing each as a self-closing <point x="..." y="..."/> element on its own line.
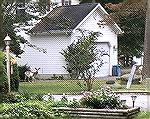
<point x="8" y="67"/>
<point x="146" y="68"/>
<point x="133" y="103"/>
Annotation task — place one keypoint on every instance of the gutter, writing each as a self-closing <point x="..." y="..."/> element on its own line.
<point x="51" y="32"/>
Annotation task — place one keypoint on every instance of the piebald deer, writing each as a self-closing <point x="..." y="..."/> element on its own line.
<point x="30" y="75"/>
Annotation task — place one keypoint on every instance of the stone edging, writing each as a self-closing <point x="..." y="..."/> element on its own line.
<point x="86" y="113"/>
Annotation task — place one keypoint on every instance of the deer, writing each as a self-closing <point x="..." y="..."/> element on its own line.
<point x="30" y="75"/>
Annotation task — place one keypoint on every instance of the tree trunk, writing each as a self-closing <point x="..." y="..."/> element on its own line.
<point x="146" y="68"/>
<point x="89" y="84"/>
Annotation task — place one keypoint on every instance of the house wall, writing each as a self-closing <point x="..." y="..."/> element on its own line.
<point x="108" y="36"/>
<point x="50" y="63"/>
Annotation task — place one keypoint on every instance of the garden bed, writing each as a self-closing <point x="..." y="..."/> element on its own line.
<point x="86" y="113"/>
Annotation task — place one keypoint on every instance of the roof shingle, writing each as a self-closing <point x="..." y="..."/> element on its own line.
<point x="62" y="18"/>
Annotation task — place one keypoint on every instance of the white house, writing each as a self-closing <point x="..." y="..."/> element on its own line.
<point x="59" y="29"/>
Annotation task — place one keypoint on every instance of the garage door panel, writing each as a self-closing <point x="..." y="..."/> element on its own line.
<point x="103" y="59"/>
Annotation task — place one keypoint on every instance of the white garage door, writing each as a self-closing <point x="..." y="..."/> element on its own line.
<point x="103" y="59"/>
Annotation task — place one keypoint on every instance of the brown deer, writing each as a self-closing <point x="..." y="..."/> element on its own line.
<point x="30" y="75"/>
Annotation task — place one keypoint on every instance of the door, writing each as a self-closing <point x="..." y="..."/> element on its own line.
<point x="103" y="59"/>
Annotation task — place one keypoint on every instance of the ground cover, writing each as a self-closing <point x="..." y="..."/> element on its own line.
<point x="71" y="86"/>
<point x="31" y="106"/>
<point x="143" y="115"/>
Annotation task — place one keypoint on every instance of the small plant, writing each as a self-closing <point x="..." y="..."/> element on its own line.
<point x="27" y="111"/>
<point x="101" y="99"/>
<point x="10" y="98"/>
<point x="74" y="103"/>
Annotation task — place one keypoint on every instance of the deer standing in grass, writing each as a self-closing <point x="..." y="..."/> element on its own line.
<point x="30" y="75"/>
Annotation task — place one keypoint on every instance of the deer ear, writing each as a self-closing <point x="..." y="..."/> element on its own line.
<point x="39" y="68"/>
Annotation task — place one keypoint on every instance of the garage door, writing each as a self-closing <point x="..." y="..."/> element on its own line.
<point x="103" y="59"/>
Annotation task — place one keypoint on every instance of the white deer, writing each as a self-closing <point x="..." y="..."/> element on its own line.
<point x="30" y="75"/>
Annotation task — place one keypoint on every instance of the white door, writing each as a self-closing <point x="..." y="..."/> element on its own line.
<point x="103" y="60"/>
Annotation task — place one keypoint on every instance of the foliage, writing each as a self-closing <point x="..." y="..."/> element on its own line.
<point x="103" y="2"/>
<point x="22" y="70"/>
<point x="13" y="19"/>
<point x="15" y="78"/>
<point x="28" y="111"/>
<point x="9" y="98"/>
<point x="80" y="57"/>
<point x="101" y="99"/>
<point x="3" y="77"/>
<point x="130" y="16"/>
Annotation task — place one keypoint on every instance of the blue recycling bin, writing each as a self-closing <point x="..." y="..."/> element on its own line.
<point x="116" y="71"/>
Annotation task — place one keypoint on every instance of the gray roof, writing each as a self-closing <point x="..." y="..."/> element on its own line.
<point x="63" y="18"/>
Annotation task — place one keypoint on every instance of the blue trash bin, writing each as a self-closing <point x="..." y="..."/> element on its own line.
<point x="116" y="71"/>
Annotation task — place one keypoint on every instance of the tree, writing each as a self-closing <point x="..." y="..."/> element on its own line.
<point x="1" y="22"/>
<point x="130" y="16"/>
<point x="102" y="2"/>
<point x="81" y="57"/>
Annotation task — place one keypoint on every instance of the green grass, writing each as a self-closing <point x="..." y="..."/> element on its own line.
<point x="57" y="86"/>
<point x="143" y="115"/>
<point x="68" y="86"/>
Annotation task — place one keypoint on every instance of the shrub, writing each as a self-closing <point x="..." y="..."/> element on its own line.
<point x="22" y="70"/>
<point x="101" y="99"/>
<point x="10" y="98"/>
<point x="27" y="111"/>
<point x="15" y="78"/>
<point x="3" y="76"/>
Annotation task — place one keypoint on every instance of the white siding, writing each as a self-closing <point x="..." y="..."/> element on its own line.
<point x="50" y="63"/>
<point x="53" y="61"/>
<point x="108" y="35"/>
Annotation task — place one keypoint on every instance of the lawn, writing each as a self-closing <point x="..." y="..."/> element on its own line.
<point x="143" y="115"/>
<point x="69" y="86"/>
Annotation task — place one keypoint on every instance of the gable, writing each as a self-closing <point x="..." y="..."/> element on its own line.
<point x="69" y="18"/>
<point x="98" y="19"/>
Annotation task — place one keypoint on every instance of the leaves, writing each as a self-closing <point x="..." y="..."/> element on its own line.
<point x="130" y="16"/>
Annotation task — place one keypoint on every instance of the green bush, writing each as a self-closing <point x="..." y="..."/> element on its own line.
<point x="22" y="70"/>
<point x="10" y="98"/>
<point x="27" y="111"/>
<point x="3" y="76"/>
<point x="15" y="78"/>
<point x="101" y="99"/>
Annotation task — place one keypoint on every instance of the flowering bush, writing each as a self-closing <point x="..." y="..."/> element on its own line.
<point x="101" y="99"/>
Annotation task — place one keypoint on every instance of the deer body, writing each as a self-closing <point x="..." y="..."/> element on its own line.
<point x="30" y="75"/>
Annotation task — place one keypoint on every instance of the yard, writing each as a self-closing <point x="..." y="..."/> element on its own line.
<point x="143" y="115"/>
<point x="71" y="86"/>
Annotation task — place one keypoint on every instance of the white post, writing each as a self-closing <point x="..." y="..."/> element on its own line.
<point x="148" y="96"/>
<point x="8" y="67"/>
